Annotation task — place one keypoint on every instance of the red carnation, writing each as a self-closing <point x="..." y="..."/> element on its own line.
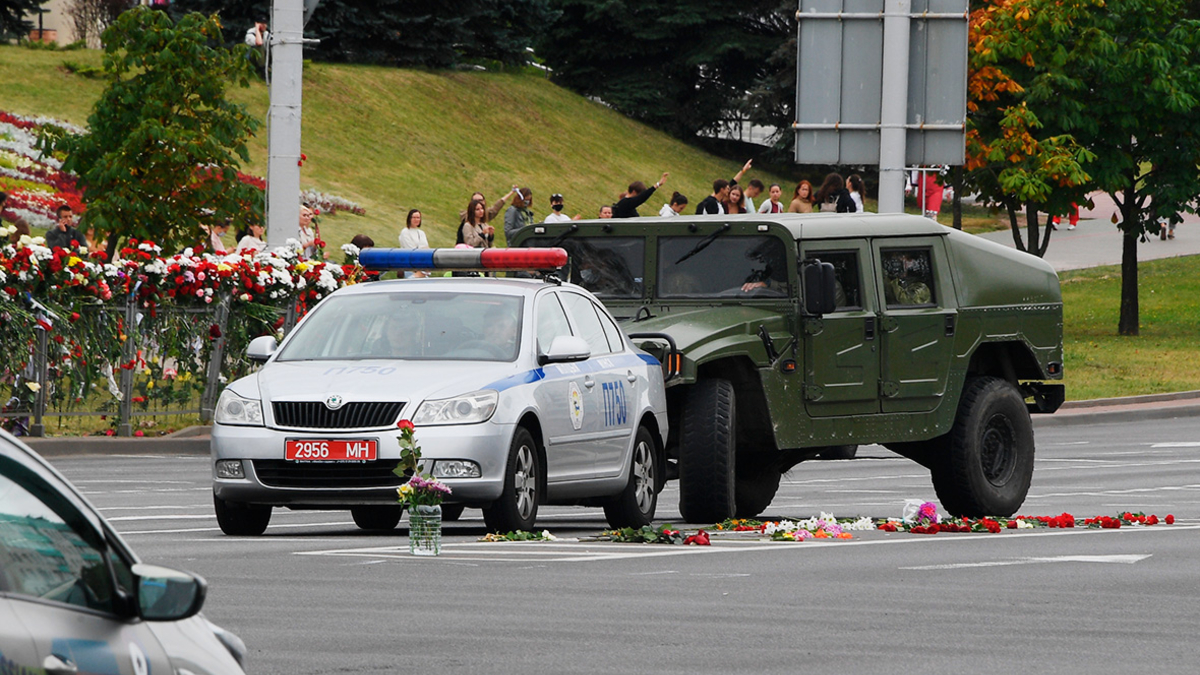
<point x="214" y="331"/>
<point x="1170" y="519"/>
<point x="74" y="317"/>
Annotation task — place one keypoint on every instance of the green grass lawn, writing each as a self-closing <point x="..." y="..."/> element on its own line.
<point x="1165" y="357"/>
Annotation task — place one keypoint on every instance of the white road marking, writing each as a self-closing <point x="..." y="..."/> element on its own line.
<point x="217" y="529"/>
<point x="162" y="517"/>
<point x="151" y="508"/>
<point x="1178" y="444"/>
<point x="1118" y="559"/>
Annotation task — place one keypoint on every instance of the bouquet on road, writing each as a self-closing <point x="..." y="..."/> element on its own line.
<point x="420" y="490"/>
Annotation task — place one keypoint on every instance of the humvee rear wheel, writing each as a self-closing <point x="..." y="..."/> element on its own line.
<point x="756" y="485"/>
<point x="706" y="452"/>
<point x="988" y="465"/>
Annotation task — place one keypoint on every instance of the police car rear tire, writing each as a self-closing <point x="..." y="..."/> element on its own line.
<point x="988" y="465"/>
<point x="517" y="507"/>
<point x="635" y="506"/>
<point x="241" y="520"/>
<point x="378" y="518"/>
<point x="452" y="511"/>
<point x="707" y="440"/>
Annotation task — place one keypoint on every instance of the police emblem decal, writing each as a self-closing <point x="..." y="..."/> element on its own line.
<point x="334" y="402"/>
<point x="575" y="401"/>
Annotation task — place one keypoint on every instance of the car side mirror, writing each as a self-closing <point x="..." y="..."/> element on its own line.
<point x="566" y="348"/>
<point x="164" y="594"/>
<point x="820" y="288"/>
<point x="261" y="348"/>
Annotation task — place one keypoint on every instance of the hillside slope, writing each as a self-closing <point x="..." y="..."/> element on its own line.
<point x="394" y="139"/>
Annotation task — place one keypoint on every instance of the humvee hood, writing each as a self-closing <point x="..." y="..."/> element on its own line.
<point x="703" y="329"/>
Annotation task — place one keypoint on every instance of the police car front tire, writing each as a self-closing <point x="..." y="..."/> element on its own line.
<point x="517" y="506"/>
<point x="378" y="518"/>
<point x="241" y="520"/>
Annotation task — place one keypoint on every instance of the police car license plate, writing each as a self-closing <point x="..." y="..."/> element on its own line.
<point x="315" y="450"/>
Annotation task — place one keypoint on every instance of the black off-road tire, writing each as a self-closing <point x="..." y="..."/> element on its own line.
<point x="241" y="520"/>
<point x="377" y="518"/>
<point x="756" y="485"/>
<point x="707" y="441"/>
<point x="839" y="452"/>
<point x="452" y="511"/>
<point x="987" y="465"/>
<point x="517" y="507"/>
<point x="635" y="505"/>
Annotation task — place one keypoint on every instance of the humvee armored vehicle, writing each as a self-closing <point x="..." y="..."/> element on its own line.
<point x="792" y="336"/>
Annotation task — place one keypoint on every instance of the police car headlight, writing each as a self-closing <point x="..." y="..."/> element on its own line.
<point x="235" y="410"/>
<point x="466" y="409"/>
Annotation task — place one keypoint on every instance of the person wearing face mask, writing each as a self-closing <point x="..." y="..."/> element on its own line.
<point x="556" y="205"/>
<point x="518" y="215"/>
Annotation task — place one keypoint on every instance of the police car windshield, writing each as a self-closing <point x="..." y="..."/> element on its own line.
<point x="427" y="326"/>
<point x="609" y="267"/>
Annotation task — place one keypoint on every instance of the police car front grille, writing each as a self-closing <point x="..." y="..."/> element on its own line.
<point x="279" y="473"/>
<point x="314" y="415"/>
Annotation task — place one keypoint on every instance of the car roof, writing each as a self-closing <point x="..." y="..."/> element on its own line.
<point x="800" y="225"/>
<point x="499" y="286"/>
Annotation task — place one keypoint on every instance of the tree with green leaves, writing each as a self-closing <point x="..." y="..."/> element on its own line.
<point x="1128" y="90"/>
<point x="412" y="33"/>
<point x="679" y="65"/>
<point x="159" y="160"/>
<point x="14" y="16"/>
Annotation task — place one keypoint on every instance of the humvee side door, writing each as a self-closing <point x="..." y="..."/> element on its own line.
<point x="917" y="322"/>
<point x="841" y="349"/>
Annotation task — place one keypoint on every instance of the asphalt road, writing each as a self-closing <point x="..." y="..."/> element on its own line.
<point x="316" y="595"/>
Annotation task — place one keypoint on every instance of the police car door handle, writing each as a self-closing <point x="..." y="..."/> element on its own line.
<point x="589" y="382"/>
<point x="631" y="376"/>
<point x="58" y="665"/>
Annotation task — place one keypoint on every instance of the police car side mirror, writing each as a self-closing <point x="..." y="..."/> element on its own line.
<point x="820" y="288"/>
<point x="566" y="348"/>
<point x="261" y="348"/>
<point x="164" y="594"/>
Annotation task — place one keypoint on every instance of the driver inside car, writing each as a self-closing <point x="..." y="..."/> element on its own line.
<point x="500" y="330"/>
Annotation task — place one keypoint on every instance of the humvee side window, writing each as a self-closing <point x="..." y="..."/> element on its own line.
<point x="908" y="277"/>
<point x="728" y="266"/>
<point x="609" y="267"/>
<point x="845" y="271"/>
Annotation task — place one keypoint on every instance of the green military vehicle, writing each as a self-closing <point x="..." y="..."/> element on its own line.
<point x="788" y="337"/>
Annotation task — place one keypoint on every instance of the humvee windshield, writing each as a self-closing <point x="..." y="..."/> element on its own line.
<point x="729" y="265"/>
<point x="609" y="267"/>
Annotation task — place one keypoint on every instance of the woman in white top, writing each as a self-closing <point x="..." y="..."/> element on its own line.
<point x="413" y="237"/>
<point x="251" y="240"/>
<point x="855" y="184"/>
<point x="308" y="233"/>
<point x="773" y="205"/>
<point x="675" y="208"/>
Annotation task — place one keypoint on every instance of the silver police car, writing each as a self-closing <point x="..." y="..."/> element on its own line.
<point x="74" y="598"/>
<point x="523" y="393"/>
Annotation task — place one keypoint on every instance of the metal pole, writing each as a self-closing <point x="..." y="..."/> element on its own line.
<point x="42" y="369"/>
<point x="128" y="354"/>
<point x="894" y="109"/>
<point x="216" y="359"/>
<point x="283" y="120"/>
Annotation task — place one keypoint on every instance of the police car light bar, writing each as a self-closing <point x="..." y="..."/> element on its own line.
<point x="497" y="259"/>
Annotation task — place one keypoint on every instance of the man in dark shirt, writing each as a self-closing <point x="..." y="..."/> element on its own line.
<point x="63" y="234"/>
<point x="637" y="195"/>
<point x="711" y="205"/>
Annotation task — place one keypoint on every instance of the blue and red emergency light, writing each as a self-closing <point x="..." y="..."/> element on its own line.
<point x="492" y="259"/>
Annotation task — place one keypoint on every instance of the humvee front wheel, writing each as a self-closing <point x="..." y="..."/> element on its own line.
<point x="988" y="464"/>
<point x="755" y="487"/>
<point x="839" y="452"/>
<point x="706" y="452"/>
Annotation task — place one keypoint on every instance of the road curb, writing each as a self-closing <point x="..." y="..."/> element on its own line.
<point x="111" y="445"/>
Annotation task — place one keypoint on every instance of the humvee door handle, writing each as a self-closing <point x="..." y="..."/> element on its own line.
<point x="869" y="328"/>
<point x="589" y="382"/>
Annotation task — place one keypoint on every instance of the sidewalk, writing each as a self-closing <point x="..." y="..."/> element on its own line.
<point x="1097" y="241"/>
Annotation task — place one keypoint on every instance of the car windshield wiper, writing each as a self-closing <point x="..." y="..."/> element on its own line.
<point x="558" y="240"/>
<point x="703" y="243"/>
